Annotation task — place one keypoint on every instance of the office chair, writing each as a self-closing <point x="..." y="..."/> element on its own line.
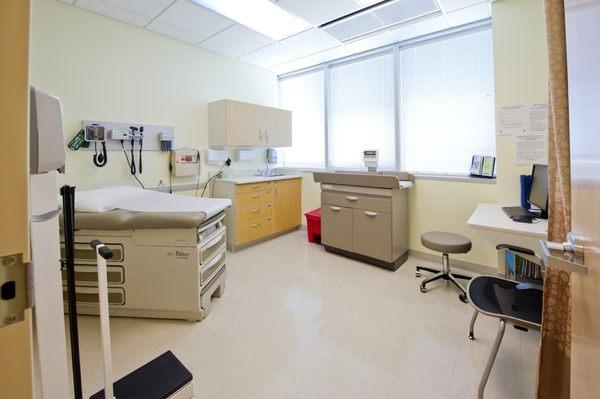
<point x="519" y="304"/>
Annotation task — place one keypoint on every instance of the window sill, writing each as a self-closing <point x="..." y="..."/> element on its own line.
<point x="417" y="176"/>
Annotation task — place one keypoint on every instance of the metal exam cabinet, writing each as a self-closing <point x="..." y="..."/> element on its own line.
<point x="365" y="216"/>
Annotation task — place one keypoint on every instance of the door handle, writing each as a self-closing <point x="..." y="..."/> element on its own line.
<point x="351" y="198"/>
<point x="567" y="256"/>
<point x="45" y="216"/>
<point x="335" y="208"/>
<point x="371" y="213"/>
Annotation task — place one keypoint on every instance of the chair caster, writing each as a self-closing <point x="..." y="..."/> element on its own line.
<point x="417" y="273"/>
<point x="471" y="337"/>
<point x="463" y="298"/>
<point x="423" y="289"/>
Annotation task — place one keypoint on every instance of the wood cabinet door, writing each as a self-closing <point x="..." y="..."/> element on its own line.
<point x="287" y="204"/>
<point x="278" y="127"/>
<point x="243" y="124"/>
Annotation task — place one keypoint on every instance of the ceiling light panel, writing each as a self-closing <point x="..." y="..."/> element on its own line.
<point x="259" y="15"/>
<point x="147" y="8"/>
<point x="354" y="26"/>
<point x="194" y="19"/>
<point x="109" y="10"/>
<point x="241" y="38"/>
<point x="310" y="42"/>
<point x="318" y="12"/>
<point x="175" y="33"/>
<point x="403" y="10"/>
<point x="420" y="28"/>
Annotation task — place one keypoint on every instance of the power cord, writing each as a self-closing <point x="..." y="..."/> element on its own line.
<point x="130" y="165"/>
<point x="226" y="163"/>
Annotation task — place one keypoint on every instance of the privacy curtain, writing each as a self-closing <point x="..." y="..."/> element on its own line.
<point x="555" y="354"/>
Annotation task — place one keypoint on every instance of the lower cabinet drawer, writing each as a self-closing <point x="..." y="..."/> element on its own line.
<point x="246" y="200"/>
<point x="254" y="213"/>
<point x="253" y="231"/>
<point x="212" y="267"/>
<point x="336" y="226"/>
<point x="372" y="234"/>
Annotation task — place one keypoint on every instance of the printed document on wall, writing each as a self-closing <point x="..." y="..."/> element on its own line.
<point x="531" y="149"/>
<point x="513" y="119"/>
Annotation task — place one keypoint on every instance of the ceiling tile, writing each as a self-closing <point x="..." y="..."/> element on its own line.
<point x="175" y="33"/>
<point x="403" y="10"/>
<point x="273" y="54"/>
<point x="194" y="19"/>
<point x="371" y="42"/>
<point x="318" y="12"/>
<point x="310" y="41"/>
<point x="221" y="49"/>
<point x="114" y="12"/>
<point x="294" y="65"/>
<point x="451" y="5"/>
<point x="333" y="54"/>
<point x="147" y="8"/>
<point x="241" y="39"/>
<point x="420" y="28"/>
<point x="354" y="26"/>
<point x="469" y="14"/>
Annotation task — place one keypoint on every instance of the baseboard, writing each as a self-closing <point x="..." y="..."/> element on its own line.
<point x="462" y="264"/>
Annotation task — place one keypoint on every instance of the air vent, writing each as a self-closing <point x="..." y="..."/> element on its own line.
<point x="378" y="17"/>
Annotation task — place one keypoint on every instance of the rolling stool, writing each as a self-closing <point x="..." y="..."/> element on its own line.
<point x="446" y="243"/>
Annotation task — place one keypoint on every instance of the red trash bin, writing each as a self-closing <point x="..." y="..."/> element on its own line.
<point x="313" y="225"/>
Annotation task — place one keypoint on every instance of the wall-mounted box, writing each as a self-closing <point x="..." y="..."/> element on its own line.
<point x="238" y="124"/>
<point x="216" y="156"/>
<point x="245" y="155"/>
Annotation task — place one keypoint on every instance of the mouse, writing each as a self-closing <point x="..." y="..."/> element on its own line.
<point x="521" y="219"/>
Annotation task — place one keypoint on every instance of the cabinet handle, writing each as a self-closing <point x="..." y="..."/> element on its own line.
<point x="335" y="208"/>
<point x="351" y="198"/>
<point x="255" y="210"/>
<point x="256" y="196"/>
<point x="266" y="135"/>
<point x="255" y="225"/>
<point x="257" y="186"/>
<point x="370" y="213"/>
<point x="260" y="135"/>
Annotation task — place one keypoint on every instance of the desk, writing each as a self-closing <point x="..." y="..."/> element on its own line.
<point x="493" y="225"/>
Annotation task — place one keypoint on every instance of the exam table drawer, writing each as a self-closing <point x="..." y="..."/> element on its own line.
<point x="208" y="248"/>
<point x="336" y="227"/>
<point x="89" y="295"/>
<point x="250" y="187"/>
<point x="212" y="267"/>
<point x="352" y="200"/>
<point x="372" y="234"/>
<point x="88" y="275"/>
<point x="83" y="252"/>
<point x="246" y="200"/>
<point x="254" y="213"/>
<point x="253" y="230"/>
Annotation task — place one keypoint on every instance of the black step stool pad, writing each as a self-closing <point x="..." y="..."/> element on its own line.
<point x="157" y="379"/>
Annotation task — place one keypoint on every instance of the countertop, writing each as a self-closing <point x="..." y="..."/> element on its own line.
<point x="257" y="179"/>
<point x="492" y="217"/>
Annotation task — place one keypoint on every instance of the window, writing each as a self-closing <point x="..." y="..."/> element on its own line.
<point x="428" y="104"/>
<point x="447" y="103"/>
<point x="362" y="111"/>
<point x="303" y="95"/>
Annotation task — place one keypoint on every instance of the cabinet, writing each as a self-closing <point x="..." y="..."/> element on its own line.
<point x="260" y="210"/>
<point x="236" y="123"/>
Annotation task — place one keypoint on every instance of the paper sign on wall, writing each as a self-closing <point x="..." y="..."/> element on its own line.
<point x="531" y="148"/>
<point x="512" y="119"/>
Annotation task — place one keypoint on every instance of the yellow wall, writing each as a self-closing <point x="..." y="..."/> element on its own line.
<point x="521" y="76"/>
<point x="520" y="70"/>
<point x="104" y="69"/>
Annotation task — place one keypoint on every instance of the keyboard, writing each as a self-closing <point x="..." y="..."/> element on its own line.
<point x="517" y="211"/>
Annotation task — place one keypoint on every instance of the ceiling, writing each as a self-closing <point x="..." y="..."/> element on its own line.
<point x="332" y="28"/>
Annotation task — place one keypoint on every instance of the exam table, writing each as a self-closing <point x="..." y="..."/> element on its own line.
<point x="169" y="256"/>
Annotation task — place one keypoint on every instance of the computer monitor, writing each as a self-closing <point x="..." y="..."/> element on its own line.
<point x="538" y="194"/>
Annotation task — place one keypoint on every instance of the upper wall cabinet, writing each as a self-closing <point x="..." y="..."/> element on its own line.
<point x="239" y="124"/>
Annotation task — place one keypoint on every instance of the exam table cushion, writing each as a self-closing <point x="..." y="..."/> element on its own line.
<point x="444" y="242"/>
<point x="126" y="220"/>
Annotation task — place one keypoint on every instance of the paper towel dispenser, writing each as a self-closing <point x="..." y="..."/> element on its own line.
<point x="46" y="141"/>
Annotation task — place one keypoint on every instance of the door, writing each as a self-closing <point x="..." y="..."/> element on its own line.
<point x="583" y="57"/>
<point x="372" y="234"/>
<point x="287" y="204"/>
<point x="278" y="128"/>
<point x="243" y="124"/>
<point x="336" y="227"/>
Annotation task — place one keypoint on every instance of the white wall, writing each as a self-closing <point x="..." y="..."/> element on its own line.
<point x="521" y="76"/>
<point x="104" y="69"/>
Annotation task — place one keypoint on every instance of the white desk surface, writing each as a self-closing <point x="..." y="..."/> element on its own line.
<point x="492" y="217"/>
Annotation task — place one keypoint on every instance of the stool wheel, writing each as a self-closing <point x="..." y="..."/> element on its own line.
<point x="423" y="289"/>
<point x="463" y="298"/>
<point x="418" y="273"/>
